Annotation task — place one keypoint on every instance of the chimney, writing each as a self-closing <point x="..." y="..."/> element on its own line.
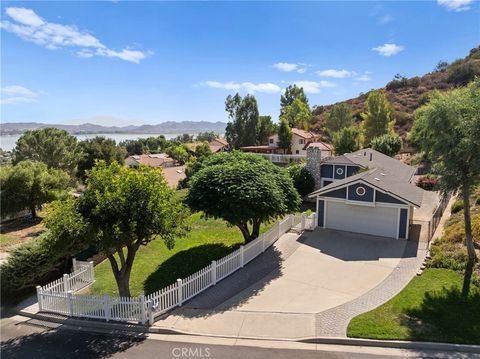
<point x="370" y="156"/>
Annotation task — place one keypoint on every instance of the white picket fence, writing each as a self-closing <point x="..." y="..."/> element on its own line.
<point x="59" y="296"/>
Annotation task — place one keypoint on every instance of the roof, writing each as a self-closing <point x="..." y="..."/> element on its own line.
<point x="384" y="180"/>
<point x="221" y="141"/>
<point x="173" y="175"/>
<point x="319" y="144"/>
<point x="152" y="160"/>
<point x="303" y="134"/>
<point x="369" y="158"/>
<point x="215" y="145"/>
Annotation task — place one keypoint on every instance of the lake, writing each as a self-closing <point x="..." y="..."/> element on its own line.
<point x="7" y="143"/>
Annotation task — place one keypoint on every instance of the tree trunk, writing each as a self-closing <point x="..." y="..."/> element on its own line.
<point x="123" y="284"/>
<point x="244" y="229"/>
<point x="122" y="275"/>
<point x="33" y="211"/>
<point x="468" y="242"/>
<point x="255" y="229"/>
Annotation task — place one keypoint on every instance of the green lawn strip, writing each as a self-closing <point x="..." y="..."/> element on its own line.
<point x="429" y="308"/>
<point x="7" y="240"/>
<point x="156" y="266"/>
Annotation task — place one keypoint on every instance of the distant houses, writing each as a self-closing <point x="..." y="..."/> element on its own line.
<point x="154" y="160"/>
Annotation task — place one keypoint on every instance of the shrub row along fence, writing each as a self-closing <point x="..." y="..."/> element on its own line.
<point x="437" y="215"/>
<point x="59" y="296"/>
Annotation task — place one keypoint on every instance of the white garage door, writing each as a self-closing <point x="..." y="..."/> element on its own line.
<point x="378" y="221"/>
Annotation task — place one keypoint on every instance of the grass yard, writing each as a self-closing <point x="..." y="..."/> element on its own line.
<point x="430" y="308"/>
<point x="156" y="266"/>
<point x="6" y="240"/>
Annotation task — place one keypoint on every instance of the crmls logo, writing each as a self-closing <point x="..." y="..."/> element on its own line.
<point x="191" y="352"/>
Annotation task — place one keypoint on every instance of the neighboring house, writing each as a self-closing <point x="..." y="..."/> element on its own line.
<point x="325" y="148"/>
<point x="367" y="192"/>
<point x="300" y="141"/>
<point x="216" y="145"/>
<point x="153" y="160"/>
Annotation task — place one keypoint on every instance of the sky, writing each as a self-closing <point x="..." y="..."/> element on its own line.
<point x="121" y="63"/>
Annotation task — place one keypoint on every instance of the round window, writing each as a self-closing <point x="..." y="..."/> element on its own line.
<point x="360" y="191"/>
<point x="340" y="171"/>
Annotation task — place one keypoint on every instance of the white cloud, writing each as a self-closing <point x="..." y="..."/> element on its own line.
<point x="455" y="5"/>
<point x="288" y="67"/>
<point x="363" y="78"/>
<point x="388" y="49"/>
<point x="31" y="27"/>
<point x="385" y="19"/>
<point x="249" y="87"/>
<point x="338" y="74"/>
<point x="13" y="95"/>
<point x="314" y="86"/>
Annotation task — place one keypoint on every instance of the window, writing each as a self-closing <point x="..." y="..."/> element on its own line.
<point x="297" y="152"/>
<point x="339" y="171"/>
<point x="301" y="141"/>
<point x="270" y="140"/>
<point x="360" y="191"/>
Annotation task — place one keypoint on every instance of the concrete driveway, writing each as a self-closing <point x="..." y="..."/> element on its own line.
<point x="327" y="269"/>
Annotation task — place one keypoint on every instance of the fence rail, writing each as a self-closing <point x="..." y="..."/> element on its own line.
<point x="59" y="296"/>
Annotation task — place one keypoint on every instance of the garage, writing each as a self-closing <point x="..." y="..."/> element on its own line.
<point x="378" y="220"/>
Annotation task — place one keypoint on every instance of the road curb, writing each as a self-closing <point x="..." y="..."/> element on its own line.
<point x="137" y="328"/>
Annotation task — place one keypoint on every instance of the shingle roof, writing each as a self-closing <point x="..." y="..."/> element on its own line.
<point x="152" y="160"/>
<point x="319" y="144"/>
<point x="304" y="134"/>
<point x="385" y="180"/>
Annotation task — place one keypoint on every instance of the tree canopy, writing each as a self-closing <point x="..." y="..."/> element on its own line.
<point x="297" y="114"/>
<point x="340" y="116"/>
<point x="28" y="185"/>
<point x="54" y="147"/>
<point x="206" y="136"/>
<point x="292" y="92"/>
<point x="243" y="113"/>
<point x="377" y="119"/>
<point x="346" y="140"/>
<point x="302" y="178"/>
<point x="284" y="135"/>
<point x="387" y="144"/>
<point x="99" y="148"/>
<point x="447" y="129"/>
<point x="265" y="129"/>
<point x="243" y="189"/>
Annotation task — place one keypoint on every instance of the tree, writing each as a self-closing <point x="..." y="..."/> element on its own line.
<point x="52" y="146"/>
<point x="243" y="189"/>
<point x="243" y="113"/>
<point x="346" y="140"/>
<point x="292" y="92"/>
<point x="284" y="135"/>
<point x="99" y="148"/>
<point x="203" y="150"/>
<point x="302" y="179"/>
<point x="179" y="154"/>
<point x="154" y="144"/>
<point x="447" y="129"/>
<point x="377" y="117"/>
<point x="133" y="147"/>
<point x="389" y="145"/>
<point x="265" y="129"/>
<point x="126" y="208"/>
<point x="28" y="185"/>
<point x="297" y="114"/>
<point x="184" y="138"/>
<point x="340" y="116"/>
<point x="207" y="136"/>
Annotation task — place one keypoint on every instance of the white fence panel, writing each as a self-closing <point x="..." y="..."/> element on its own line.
<point x="197" y="282"/>
<point x="253" y="249"/>
<point x="54" y="302"/>
<point x="126" y="309"/>
<point x="164" y="299"/>
<point x="88" y="307"/>
<point x="228" y="264"/>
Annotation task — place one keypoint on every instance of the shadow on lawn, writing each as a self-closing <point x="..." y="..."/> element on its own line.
<point x="446" y="316"/>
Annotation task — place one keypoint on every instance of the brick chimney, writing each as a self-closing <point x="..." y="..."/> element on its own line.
<point x="314" y="160"/>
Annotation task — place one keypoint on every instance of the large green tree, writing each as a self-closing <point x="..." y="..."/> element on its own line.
<point x="265" y="128"/>
<point x="206" y="136"/>
<point x="134" y="147"/>
<point x="99" y="148"/>
<point x="340" y="116"/>
<point x="447" y="129"/>
<point x="284" y="135"/>
<point x="243" y="113"/>
<point x="346" y="140"/>
<point x="298" y="114"/>
<point x="52" y="146"/>
<point x="377" y="120"/>
<point x="292" y="92"/>
<point x="126" y="208"/>
<point x="28" y="185"/>
<point x="243" y="189"/>
<point x="387" y="144"/>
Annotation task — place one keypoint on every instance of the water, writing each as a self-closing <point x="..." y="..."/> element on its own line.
<point x="7" y="143"/>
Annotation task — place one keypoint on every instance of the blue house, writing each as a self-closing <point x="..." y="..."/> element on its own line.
<point x="367" y="192"/>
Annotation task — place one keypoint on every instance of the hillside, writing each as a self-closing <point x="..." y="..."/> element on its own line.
<point x="406" y="95"/>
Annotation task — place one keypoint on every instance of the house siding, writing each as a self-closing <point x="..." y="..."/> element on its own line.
<point x="385" y="198"/>
<point x="351" y="170"/>
<point x="367" y="197"/>
<point x="326" y="171"/>
<point x="338" y="175"/>
<point x="403" y="223"/>
<point x="338" y="193"/>
<point x="321" y="212"/>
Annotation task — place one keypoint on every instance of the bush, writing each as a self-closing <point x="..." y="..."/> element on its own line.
<point x="478" y="201"/>
<point x="389" y="145"/>
<point x="427" y="183"/>
<point x="302" y="179"/>
<point x="457" y="206"/>
<point x="445" y="254"/>
<point x="462" y="73"/>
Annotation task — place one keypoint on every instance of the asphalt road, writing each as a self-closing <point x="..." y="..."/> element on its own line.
<point x="28" y="338"/>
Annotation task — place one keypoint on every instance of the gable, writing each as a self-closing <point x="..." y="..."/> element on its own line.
<point x="361" y="192"/>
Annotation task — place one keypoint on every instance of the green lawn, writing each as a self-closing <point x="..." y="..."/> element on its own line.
<point x="7" y="240"/>
<point x="156" y="266"/>
<point x="430" y="308"/>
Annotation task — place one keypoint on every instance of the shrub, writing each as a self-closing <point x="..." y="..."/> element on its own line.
<point x="387" y="144"/>
<point x="478" y="201"/>
<point x="445" y="254"/>
<point x="302" y="179"/>
<point x="462" y="73"/>
<point x="457" y="206"/>
<point x="427" y="183"/>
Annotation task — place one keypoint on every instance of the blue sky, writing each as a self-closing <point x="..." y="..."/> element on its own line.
<point x="118" y="63"/>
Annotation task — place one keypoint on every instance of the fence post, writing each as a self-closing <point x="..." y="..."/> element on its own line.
<point x="150" y="312"/>
<point x="241" y="256"/>
<point x="66" y="287"/>
<point x="92" y="272"/>
<point x="180" y="292"/>
<point x="70" y="302"/>
<point x="292" y="220"/>
<point x="39" y="297"/>
<point x="142" y="308"/>
<point x="74" y="264"/>
<point x="106" y="307"/>
<point x="214" y="272"/>
<point x="303" y="222"/>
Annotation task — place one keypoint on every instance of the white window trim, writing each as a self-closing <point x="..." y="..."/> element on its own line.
<point x="361" y="188"/>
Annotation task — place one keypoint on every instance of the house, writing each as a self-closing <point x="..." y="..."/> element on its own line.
<point x="153" y="160"/>
<point x="216" y="145"/>
<point x="325" y="148"/>
<point x="366" y="192"/>
<point x="300" y="141"/>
